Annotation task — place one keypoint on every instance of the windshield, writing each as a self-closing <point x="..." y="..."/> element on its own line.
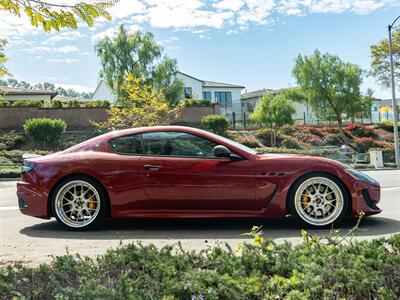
<point x="238" y="145"/>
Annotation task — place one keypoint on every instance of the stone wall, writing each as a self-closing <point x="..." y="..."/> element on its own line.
<point x="79" y="118"/>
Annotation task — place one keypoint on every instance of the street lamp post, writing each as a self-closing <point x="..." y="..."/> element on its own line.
<point x="394" y="102"/>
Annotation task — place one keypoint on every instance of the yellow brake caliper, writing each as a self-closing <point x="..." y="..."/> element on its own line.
<point x="92" y="203"/>
<point x="305" y="199"/>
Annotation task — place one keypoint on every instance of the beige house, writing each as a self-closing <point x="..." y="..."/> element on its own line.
<point x="17" y="94"/>
<point x="250" y="100"/>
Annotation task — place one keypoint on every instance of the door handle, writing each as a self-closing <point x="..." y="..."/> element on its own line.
<point x="152" y="167"/>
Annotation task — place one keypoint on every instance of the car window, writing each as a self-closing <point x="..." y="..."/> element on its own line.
<point x="170" y="143"/>
<point x="131" y="144"/>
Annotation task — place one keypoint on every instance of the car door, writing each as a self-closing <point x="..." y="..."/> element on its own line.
<point x="180" y="172"/>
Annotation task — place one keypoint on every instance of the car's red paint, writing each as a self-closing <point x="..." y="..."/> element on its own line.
<point x="256" y="186"/>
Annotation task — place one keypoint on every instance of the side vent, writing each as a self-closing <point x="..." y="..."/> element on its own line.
<point x="272" y="174"/>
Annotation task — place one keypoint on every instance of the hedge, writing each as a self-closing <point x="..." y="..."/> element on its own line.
<point x="10" y="172"/>
<point x="314" y="269"/>
<point x="44" y="132"/>
<point x="216" y="123"/>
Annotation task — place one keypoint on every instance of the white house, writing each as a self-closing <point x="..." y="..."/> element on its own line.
<point x="225" y="94"/>
<point x="103" y="92"/>
<point x="250" y="100"/>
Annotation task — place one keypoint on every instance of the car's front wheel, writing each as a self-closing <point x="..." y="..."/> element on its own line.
<point x="318" y="200"/>
<point x="79" y="203"/>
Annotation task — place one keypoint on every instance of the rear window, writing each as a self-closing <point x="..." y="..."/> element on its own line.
<point x="131" y="144"/>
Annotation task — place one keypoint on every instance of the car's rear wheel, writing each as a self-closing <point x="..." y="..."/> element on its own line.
<point x="79" y="203"/>
<point x="318" y="200"/>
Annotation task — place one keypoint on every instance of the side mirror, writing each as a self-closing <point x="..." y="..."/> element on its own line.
<point x="221" y="151"/>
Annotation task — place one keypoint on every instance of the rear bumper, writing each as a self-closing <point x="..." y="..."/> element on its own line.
<point x="31" y="200"/>
<point x="366" y="198"/>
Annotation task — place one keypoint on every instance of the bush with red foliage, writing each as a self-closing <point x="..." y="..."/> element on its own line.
<point x="359" y="131"/>
<point x="363" y="144"/>
<point x="316" y="131"/>
<point x="332" y="139"/>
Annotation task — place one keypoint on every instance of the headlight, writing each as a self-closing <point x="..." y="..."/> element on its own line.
<point x="360" y="176"/>
<point x="26" y="169"/>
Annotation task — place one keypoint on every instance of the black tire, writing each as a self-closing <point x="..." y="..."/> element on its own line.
<point x="103" y="211"/>
<point x="339" y="214"/>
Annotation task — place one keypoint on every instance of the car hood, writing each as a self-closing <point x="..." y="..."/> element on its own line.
<point x="314" y="160"/>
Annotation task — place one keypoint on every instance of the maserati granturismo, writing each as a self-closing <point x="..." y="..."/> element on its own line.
<point x="183" y="172"/>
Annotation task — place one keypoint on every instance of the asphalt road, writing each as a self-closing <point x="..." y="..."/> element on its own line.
<point x="33" y="241"/>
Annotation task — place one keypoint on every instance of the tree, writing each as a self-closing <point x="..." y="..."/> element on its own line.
<point x="52" y="16"/>
<point x="380" y="65"/>
<point x="141" y="107"/>
<point x="139" y="55"/>
<point x="274" y="111"/>
<point x="3" y="59"/>
<point x="330" y="86"/>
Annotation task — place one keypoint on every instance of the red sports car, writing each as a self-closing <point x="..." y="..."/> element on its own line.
<point x="183" y="172"/>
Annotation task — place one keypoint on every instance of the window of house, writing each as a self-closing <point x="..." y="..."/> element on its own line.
<point x="224" y="99"/>
<point x="188" y="92"/>
<point x="131" y="144"/>
<point x="250" y="107"/>
<point x="207" y="96"/>
<point x="179" y="144"/>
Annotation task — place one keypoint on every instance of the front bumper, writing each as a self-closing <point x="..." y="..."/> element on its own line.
<point x="31" y="200"/>
<point x="366" y="197"/>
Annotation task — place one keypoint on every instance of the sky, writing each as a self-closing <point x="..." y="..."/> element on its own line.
<point x="253" y="43"/>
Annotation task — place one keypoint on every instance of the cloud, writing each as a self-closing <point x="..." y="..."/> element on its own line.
<point x="44" y="49"/>
<point x="302" y="7"/>
<point x="231" y="15"/>
<point x="62" y="60"/>
<point x="125" y="8"/>
<point x="63" y="36"/>
<point x="112" y="31"/>
<point x="233" y="5"/>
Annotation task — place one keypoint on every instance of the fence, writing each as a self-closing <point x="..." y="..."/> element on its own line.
<point x="78" y="118"/>
<point x="243" y="121"/>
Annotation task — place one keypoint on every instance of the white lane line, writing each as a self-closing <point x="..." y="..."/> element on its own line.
<point x="9" y="207"/>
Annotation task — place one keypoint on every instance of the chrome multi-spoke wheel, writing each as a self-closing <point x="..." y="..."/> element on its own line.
<point x="319" y="201"/>
<point x="77" y="204"/>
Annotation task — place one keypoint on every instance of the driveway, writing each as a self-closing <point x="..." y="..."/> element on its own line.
<point x="33" y="241"/>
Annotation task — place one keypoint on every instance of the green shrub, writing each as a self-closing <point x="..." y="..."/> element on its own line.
<point x="36" y="103"/>
<point x="386" y="125"/>
<point x="290" y="143"/>
<point x="4" y="103"/>
<point x="73" y="103"/>
<point x="216" y="123"/>
<point x="255" y="270"/>
<point x="196" y="103"/>
<point x="9" y="140"/>
<point x="10" y="172"/>
<point x="98" y="103"/>
<point x="309" y="152"/>
<point x="44" y="132"/>
<point x="264" y="136"/>
<point x="15" y="156"/>
<point x="56" y="104"/>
